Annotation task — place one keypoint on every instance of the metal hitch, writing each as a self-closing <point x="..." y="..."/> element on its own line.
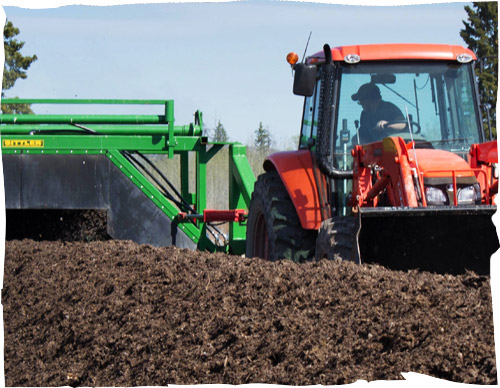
<point x="209" y="215"/>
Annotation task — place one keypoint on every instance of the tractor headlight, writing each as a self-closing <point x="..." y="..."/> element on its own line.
<point x="435" y="196"/>
<point x="469" y="195"/>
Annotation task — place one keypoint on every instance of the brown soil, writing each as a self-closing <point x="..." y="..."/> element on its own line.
<point x="114" y="313"/>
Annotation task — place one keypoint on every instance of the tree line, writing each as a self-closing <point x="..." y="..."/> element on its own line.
<point x="480" y="33"/>
<point x="15" y="66"/>
<point x="262" y="142"/>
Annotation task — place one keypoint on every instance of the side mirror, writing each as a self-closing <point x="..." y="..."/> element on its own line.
<point x="305" y="79"/>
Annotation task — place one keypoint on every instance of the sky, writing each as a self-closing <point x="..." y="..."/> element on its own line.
<point x="226" y="59"/>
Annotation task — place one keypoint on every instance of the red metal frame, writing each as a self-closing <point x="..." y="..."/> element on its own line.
<point x="401" y="168"/>
<point x="391" y="153"/>
<point x="209" y="215"/>
<point x="482" y="157"/>
<point x="296" y="170"/>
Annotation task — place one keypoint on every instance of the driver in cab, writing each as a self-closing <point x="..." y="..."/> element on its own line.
<point x="379" y="118"/>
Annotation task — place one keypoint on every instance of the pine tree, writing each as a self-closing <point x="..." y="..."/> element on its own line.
<point x="481" y="36"/>
<point x="263" y="139"/>
<point x="15" y="66"/>
<point x="220" y="133"/>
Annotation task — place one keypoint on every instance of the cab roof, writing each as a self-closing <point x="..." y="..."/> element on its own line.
<point x="399" y="51"/>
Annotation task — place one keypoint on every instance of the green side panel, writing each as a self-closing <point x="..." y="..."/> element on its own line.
<point x="87" y="144"/>
<point x="242" y="173"/>
<point x="241" y="185"/>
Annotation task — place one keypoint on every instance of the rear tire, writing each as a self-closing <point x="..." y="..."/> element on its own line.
<point x="336" y="239"/>
<point x="273" y="227"/>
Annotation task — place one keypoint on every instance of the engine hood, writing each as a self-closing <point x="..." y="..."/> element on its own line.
<point x="439" y="164"/>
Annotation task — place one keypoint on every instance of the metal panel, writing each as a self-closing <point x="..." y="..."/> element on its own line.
<point x="132" y="216"/>
<point x="12" y="181"/>
<point x="56" y="181"/>
<point x="88" y="182"/>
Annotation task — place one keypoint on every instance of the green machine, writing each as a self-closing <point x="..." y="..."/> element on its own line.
<point x="101" y="161"/>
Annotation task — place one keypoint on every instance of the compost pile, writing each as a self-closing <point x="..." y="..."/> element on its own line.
<point x="115" y="313"/>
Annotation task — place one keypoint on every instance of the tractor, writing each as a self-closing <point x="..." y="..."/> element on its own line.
<point x="413" y="190"/>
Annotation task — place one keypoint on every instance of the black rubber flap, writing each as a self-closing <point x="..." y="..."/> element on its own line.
<point x="89" y="182"/>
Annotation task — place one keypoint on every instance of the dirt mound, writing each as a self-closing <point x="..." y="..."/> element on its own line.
<point x="114" y="313"/>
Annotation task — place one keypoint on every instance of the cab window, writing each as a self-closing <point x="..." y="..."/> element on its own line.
<point x="310" y="117"/>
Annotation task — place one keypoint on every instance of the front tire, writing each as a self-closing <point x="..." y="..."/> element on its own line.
<point x="273" y="226"/>
<point x="336" y="239"/>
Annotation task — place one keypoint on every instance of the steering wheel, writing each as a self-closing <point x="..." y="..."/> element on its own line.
<point x="412" y="123"/>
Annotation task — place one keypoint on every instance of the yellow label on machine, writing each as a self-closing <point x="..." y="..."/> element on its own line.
<point x="21" y="143"/>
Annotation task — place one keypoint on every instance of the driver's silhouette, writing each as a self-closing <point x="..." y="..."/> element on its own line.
<point x="379" y="118"/>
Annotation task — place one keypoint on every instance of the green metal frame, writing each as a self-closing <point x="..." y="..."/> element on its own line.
<point x="109" y="135"/>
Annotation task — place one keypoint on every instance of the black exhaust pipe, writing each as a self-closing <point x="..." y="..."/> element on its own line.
<point x="324" y="144"/>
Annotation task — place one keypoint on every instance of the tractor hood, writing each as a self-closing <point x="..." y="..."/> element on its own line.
<point x="439" y="164"/>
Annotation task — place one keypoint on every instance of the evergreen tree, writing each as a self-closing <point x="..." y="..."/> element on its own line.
<point x="263" y="139"/>
<point x="220" y="133"/>
<point x="481" y="36"/>
<point x="15" y="66"/>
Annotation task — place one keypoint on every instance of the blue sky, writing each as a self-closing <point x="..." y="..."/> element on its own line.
<point x="226" y="59"/>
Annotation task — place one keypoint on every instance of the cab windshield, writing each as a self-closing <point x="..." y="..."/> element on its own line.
<point x="433" y="103"/>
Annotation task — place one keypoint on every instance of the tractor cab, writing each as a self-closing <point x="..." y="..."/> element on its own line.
<point x="435" y="102"/>
<point x="434" y="93"/>
<point x="424" y="94"/>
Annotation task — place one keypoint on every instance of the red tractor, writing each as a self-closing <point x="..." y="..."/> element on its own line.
<point x="392" y="166"/>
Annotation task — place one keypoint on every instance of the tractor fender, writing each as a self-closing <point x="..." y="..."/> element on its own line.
<point x="296" y="171"/>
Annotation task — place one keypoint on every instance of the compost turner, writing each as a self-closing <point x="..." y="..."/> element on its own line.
<point x="106" y="161"/>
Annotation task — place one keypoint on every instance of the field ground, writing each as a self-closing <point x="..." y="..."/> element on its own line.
<point x="114" y="313"/>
